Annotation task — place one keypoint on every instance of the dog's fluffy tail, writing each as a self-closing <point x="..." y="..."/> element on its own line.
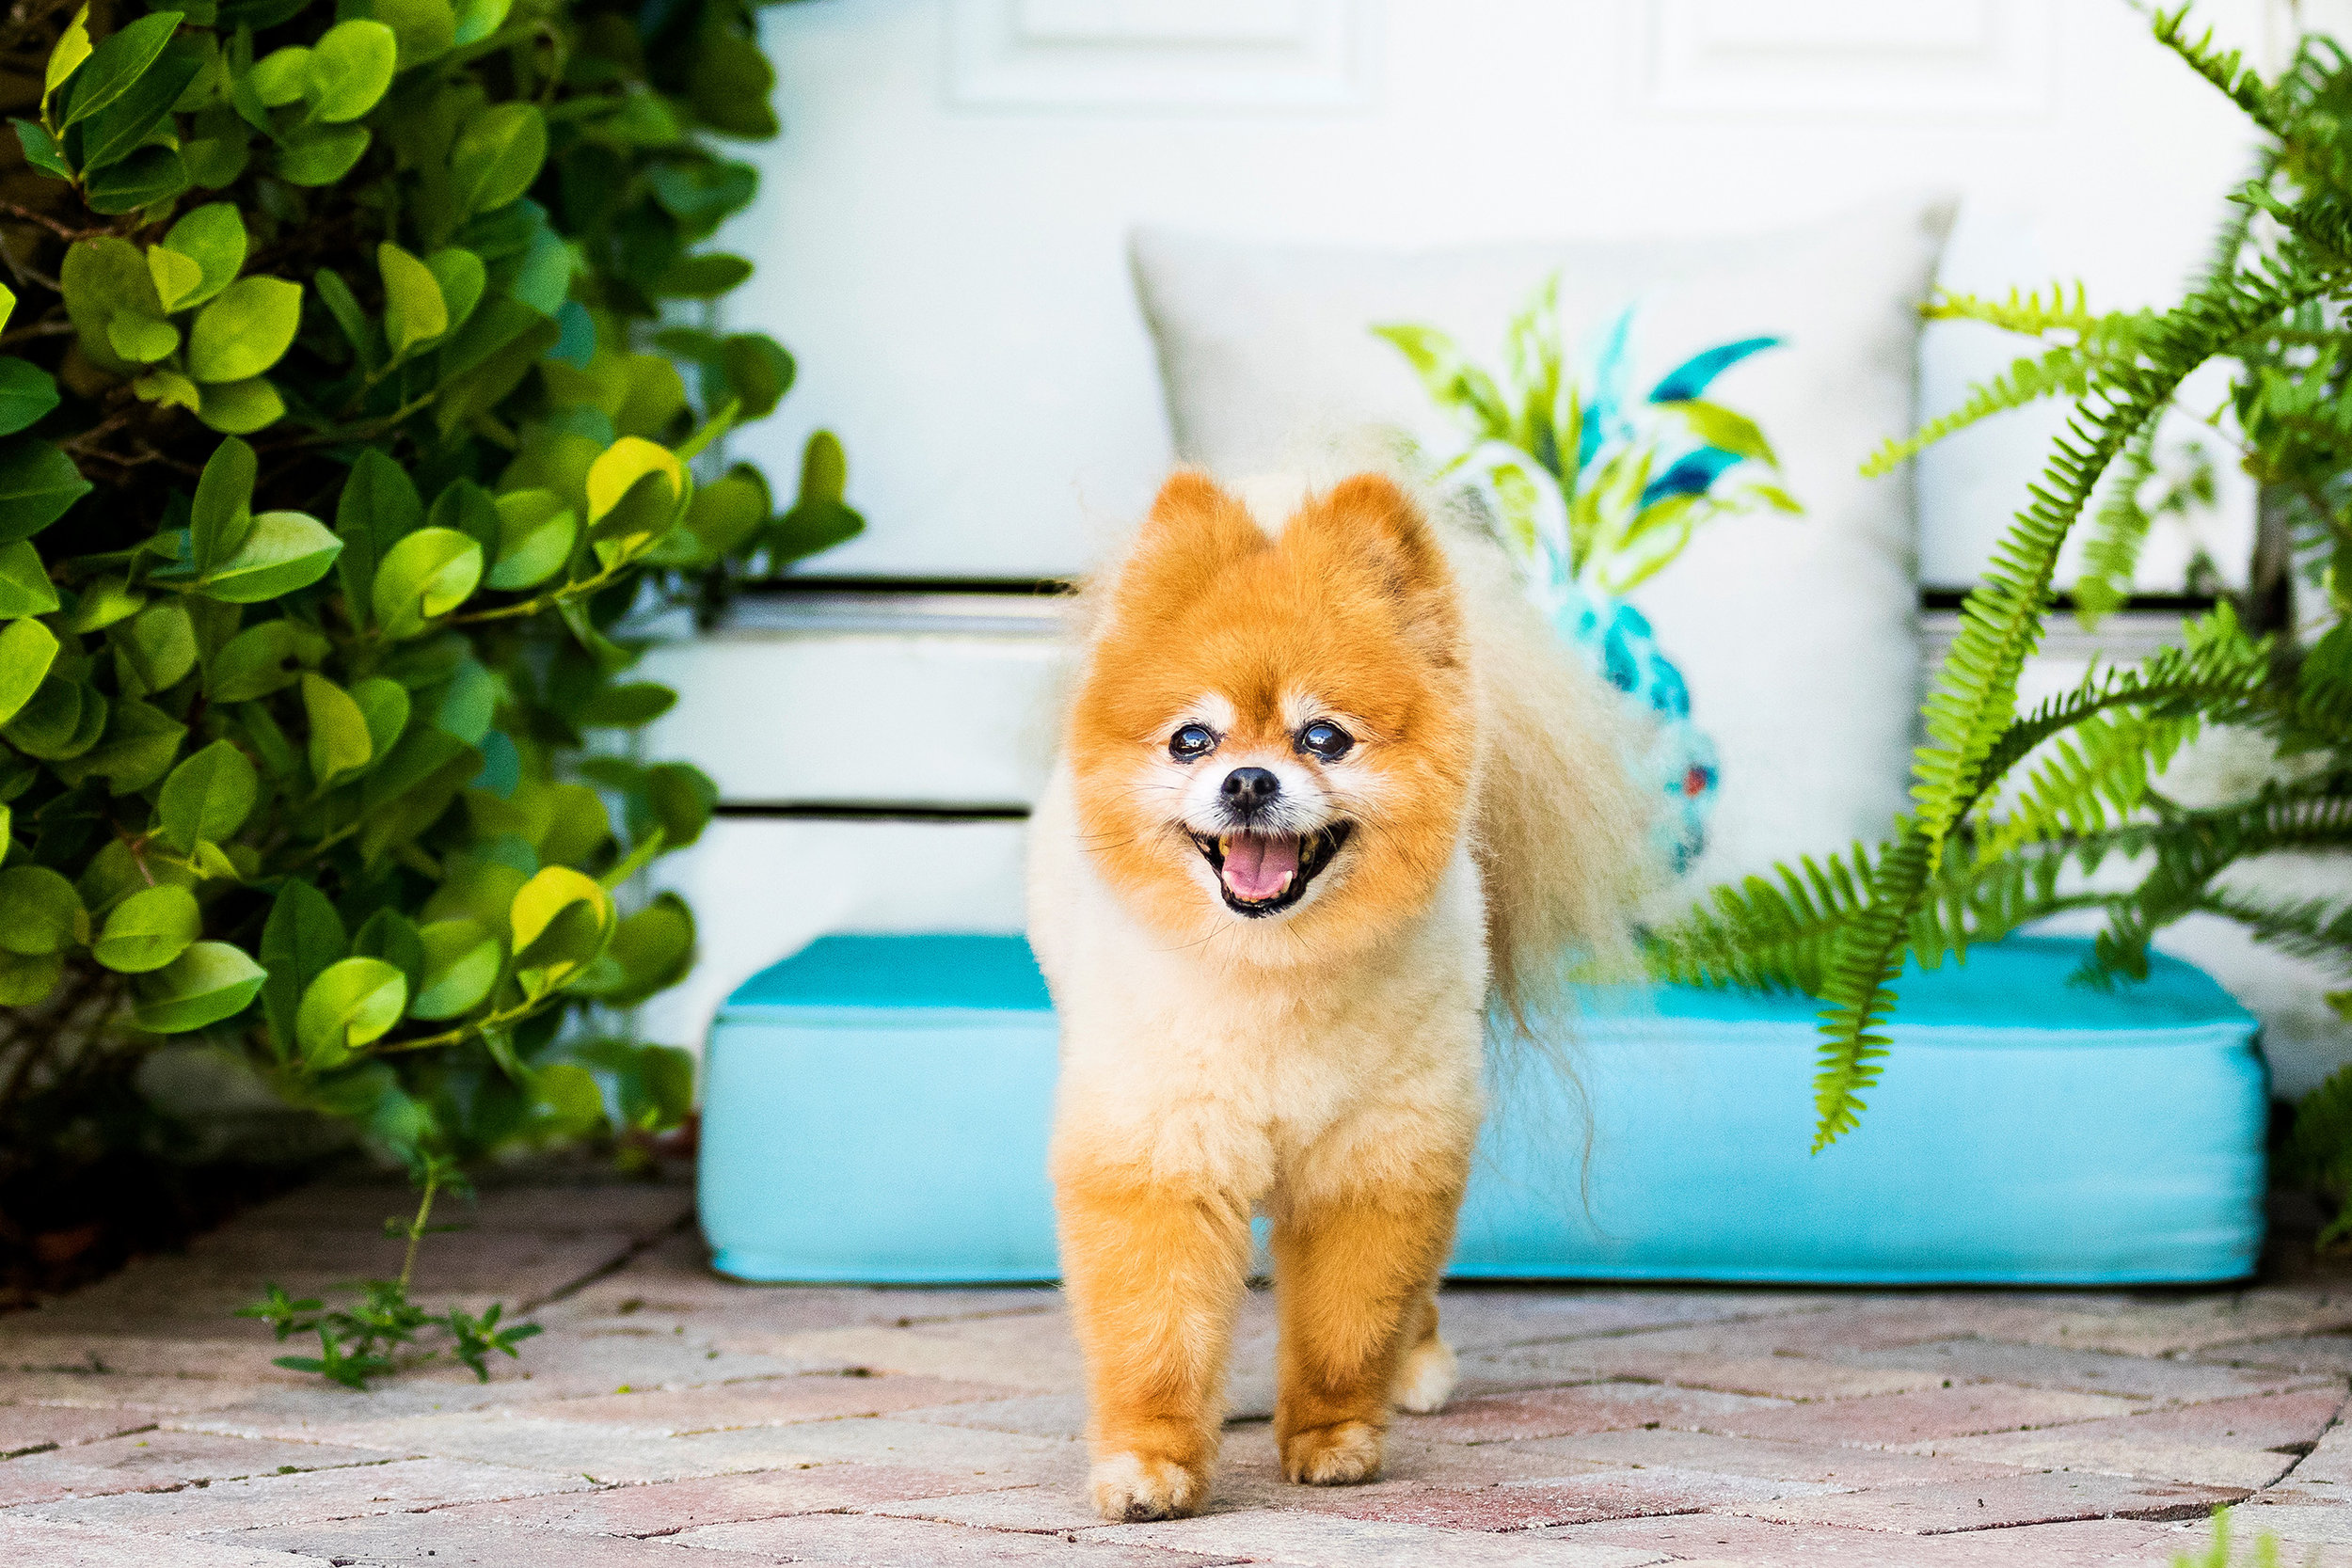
<point x="1563" y="834"/>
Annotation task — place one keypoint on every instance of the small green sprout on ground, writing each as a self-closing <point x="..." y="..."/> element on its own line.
<point x="2217" y="1554"/>
<point x="366" y="1339"/>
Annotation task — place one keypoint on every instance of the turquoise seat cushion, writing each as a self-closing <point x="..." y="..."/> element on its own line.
<point x="875" y="1109"/>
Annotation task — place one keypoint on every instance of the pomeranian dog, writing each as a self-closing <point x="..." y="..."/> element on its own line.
<point x="1329" y="790"/>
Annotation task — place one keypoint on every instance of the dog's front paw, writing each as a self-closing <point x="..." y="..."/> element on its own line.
<point x="1425" y="1382"/>
<point x="1133" y="1488"/>
<point x="1341" y="1454"/>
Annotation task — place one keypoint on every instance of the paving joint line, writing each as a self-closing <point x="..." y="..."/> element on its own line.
<point x="637" y="1249"/>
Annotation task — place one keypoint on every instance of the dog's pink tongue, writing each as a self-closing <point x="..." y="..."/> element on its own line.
<point x="1259" y="866"/>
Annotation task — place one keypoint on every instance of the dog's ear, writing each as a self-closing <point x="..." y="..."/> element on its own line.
<point x="1370" y="531"/>
<point x="1193" y="530"/>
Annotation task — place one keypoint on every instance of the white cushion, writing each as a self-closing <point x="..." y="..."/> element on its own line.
<point x="1797" y="636"/>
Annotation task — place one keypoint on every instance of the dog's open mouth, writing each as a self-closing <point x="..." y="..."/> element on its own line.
<point x="1267" y="872"/>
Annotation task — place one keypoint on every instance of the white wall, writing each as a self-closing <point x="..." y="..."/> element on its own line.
<point x="940" y="231"/>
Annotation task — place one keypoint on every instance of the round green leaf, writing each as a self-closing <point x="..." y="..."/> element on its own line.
<point x="497" y="155"/>
<point x="177" y="279"/>
<point x="211" y="981"/>
<point x="25" y="585"/>
<point x="413" y="311"/>
<point x="286" y="551"/>
<point x="214" y="162"/>
<point x="240" y="407"/>
<point x="425" y="574"/>
<point x="24" y="979"/>
<point x="462" y="278"/>
<point x="725" y="513"/>
<point x="322" y="154"/>
<point x="51" y="722"/>
<point x="350" y="68"/>
<point x="426" y="27"/>
<point x="392" y="936"/>
<point x="704" y="277"/>
<point x="214" y="237"/>
<point x="102" y="275"/>
<point x="171" y="390"/>
<point x="27" y="649"/>
<point x="149" y="929"/>
<point x="208" y="797"/>
<point x="567" y="1099"/>
<point x="39" y="911"/>
<point x="627" y="706"/>
<point x="759" y="370"/>
<point x="536" y="535"/>
<point x="559" y="919"/>
<point x="279" y="76"/>
<point x="159" y="645"/>
<point x="102" y="602"/>
<point x="135" y="750"/>
<point x="37" y="482"/>
<point x="461" y="964"/>
<point x="141" y="340"/>
<point x="650" y="952"/>
<point x="478" y="19"/>
<point x="384" y="704"/>
<point x="260" y="660"/>
<point x="26" y="393"/>
<point x="352" y="1002"/>
<point x="679" y="797"/>
<point x="245" y="330"/>
<point x="619" y="467"/>
<point x="340" y="743"/>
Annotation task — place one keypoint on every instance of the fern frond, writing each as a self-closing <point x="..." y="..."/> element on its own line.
<point x="1975" y="698"/>
<point x="2063" y="371"/>
<point x="2227" y="250"/>
<point x="2097" y="764"/>
<point x="1780" y="933"/>
<point x="2194" y="848"/>
<point x="2094" y="778"/>
<point x="2028" y="312"/>
<point x="1859" y="988"/>
<point x="2122" y="528"/>
<point x="1766" y="935"/>
<point x="2227" y="71"/>
<point x="2313" y="929"/>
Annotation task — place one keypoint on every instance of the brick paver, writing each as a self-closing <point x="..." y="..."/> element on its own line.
<point x="849" y="1541"/>
<point x="2033" y="1498"/>
<point x="669" y="1417"/>
<point x="1892" y="1419"/>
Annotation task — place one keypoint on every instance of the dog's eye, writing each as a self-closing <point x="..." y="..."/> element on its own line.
<point x="1190" y="741"/>
<point x="1326" y="740"/>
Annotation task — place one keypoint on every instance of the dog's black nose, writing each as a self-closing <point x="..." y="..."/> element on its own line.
<point x="1246" y="789"/>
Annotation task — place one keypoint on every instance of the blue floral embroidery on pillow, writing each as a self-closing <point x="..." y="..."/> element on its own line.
<point x="1646" y="474"/>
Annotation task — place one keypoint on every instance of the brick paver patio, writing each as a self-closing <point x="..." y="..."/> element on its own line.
<point x="669" y="1417"/>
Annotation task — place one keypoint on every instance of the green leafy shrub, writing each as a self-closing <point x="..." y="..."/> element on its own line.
<point x="2012" y="810"/>
<point x="340" y="435"/>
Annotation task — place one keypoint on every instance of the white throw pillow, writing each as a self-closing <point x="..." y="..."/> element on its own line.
<point x="1796" y="635"/>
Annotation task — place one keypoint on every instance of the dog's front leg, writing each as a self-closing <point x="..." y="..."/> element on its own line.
<point x="1154" y="1274"/>
<point x="1354" y="1276"/>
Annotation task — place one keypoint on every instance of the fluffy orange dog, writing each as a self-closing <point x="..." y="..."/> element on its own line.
<point x="1327" y="787"/>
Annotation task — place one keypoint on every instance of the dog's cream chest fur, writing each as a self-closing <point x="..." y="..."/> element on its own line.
<point x="1193" y="1064"/>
